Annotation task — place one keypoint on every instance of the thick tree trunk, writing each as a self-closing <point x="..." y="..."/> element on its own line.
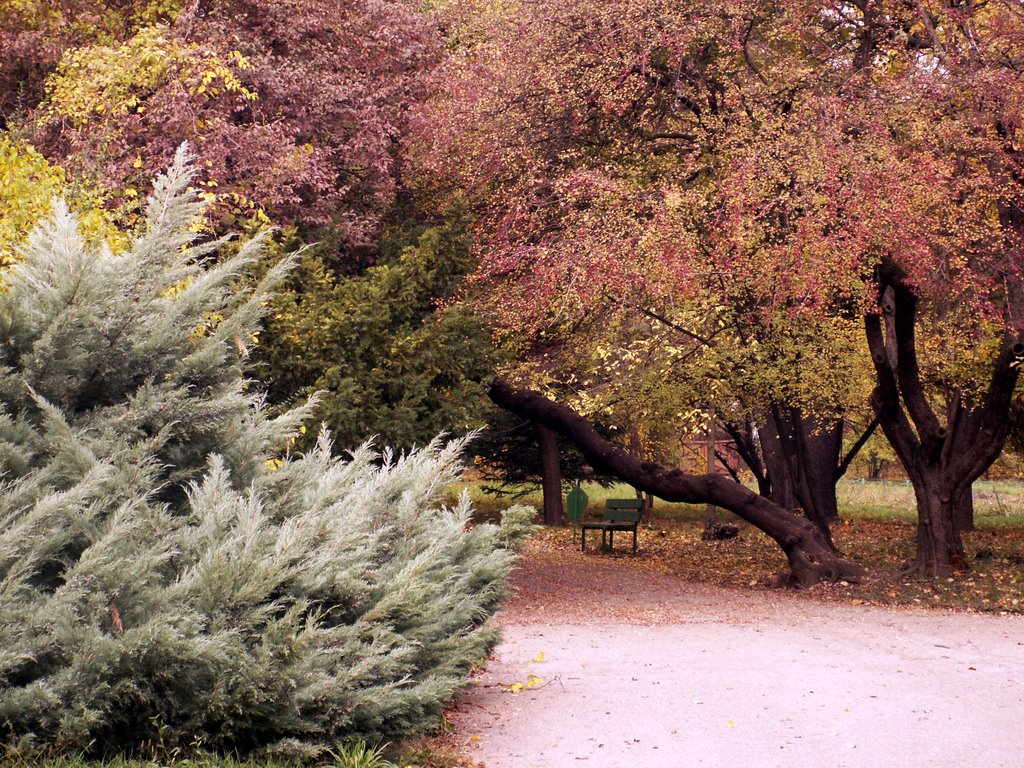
<point x="810" y="557"/>
<point x="802" y="455"/>
<point x="819" y="447"/>
<point x="811" y="448"/>
<point x="550" y="473"/>
<point x="782" y="491"/>
<point x="963" y="513"/>
<point x="941" y="460"/>
<point x="940" y="548"/>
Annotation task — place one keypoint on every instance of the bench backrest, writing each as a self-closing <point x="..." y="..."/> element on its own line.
<point x="628" y="510"/>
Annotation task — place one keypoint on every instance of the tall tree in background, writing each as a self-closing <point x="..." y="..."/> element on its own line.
<point x="293" y="109"/>
<point x="34" y="34"/>
<point x="797" y="162"/>
<point x="388" y="349"/>
<point x="513" y="458"/>
<point x="955" y="102"/>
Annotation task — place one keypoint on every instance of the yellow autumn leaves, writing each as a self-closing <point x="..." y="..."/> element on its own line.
<point x="28" y="186"/>
<point x="532" y="680"/>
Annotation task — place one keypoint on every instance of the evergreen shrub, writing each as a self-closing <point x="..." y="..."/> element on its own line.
<point x="169" y="572"/>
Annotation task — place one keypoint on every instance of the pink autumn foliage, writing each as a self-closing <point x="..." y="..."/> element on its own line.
<point x="332" y="82"/>
<point x="654" y="149"/>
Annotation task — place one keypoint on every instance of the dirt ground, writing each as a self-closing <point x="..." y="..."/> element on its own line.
<point x="604" y="665"/>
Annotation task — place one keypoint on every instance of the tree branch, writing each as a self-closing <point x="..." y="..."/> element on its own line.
<point x="886" y="398"/>
<point x="724" y="461"/>
<point x="983" y="444"/>
<point x="855" y="448"/>
<point x="707" y="341"/>
<point x="931" y="433"/>
<point x="748" y="452"/>
<point x="746" y="51"/>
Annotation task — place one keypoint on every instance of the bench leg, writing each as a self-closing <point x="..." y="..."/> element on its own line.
<point x="583" y="539"/>
<point x="634" y="541"/>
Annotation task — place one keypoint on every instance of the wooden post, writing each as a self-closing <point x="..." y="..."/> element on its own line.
<point x="711" y="515"/>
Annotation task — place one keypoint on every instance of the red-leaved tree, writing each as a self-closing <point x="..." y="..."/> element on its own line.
<point x="294" y="109"/>
<point x="815" y="162"/>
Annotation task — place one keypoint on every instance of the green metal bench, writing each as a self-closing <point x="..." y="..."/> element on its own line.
<point x="619" y="515"/>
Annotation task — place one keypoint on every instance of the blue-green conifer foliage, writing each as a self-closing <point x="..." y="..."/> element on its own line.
<point x="169" y="571"/>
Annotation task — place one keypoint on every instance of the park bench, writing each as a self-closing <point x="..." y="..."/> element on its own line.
<point x="619" y="515"/>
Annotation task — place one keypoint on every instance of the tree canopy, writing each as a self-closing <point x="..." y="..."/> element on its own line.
<point x="293" y="109"/>
<point x="792" y="162"/>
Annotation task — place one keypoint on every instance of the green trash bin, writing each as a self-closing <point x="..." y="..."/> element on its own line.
<point x="575" y="506"/>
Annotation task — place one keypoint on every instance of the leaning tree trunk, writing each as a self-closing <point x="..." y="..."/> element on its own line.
<point x="550" y="474"/>
<point x="810" y="557"/>
<point x="941" y="460"/>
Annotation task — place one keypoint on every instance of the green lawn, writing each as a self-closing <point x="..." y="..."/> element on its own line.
<point x="995" y="503"/>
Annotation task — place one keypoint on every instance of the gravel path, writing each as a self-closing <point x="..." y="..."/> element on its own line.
<point x="642" y="669"/>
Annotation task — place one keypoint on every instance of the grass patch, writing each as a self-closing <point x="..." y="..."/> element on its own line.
<point x="487" y="507"/>
<point x="995" y="503"/>
<point x="431" y="751"/>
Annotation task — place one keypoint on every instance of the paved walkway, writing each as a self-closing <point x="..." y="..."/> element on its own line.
<point x="641" y="669"/>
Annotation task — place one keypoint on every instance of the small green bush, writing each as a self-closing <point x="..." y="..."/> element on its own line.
<point x="169" y="573"/>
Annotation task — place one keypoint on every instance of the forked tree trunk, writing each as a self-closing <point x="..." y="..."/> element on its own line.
<point x="810" y="451"/>
<point x="941" y="460"/>
<point x="803" y="454"/>
<point x="550" y="474"/>
<point x="810" y="557"/>
<point x="819" y="446"/>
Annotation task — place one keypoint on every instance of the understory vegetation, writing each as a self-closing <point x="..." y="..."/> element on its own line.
<point x="353" y="754"/>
